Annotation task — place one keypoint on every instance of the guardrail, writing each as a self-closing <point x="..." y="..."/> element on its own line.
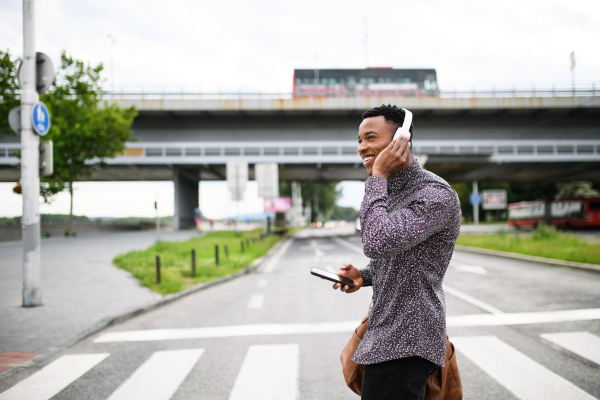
<point x="337" y="152"/>
<point x="592" y="90"/>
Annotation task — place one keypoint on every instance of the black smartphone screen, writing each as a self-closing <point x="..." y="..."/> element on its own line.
<point x="331" y="276"/>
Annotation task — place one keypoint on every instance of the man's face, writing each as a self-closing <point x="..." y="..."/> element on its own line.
<point x="374" y="135"/>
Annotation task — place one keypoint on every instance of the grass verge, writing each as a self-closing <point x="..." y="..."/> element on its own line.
<point x="543" y="242"/>
<point x="176" y="259"/>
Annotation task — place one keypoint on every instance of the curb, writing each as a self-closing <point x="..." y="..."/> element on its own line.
<point x="542" y="260"/>
<point x="170" y="298"/>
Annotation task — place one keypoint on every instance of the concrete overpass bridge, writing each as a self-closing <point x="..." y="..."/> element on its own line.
<point x="533" y="136"/>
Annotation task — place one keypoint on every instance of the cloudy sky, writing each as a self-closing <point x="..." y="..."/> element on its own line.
<point x="255" y="45"/>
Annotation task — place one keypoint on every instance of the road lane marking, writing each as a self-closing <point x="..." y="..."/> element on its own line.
<point x="521" y="375"/>
<point x="269" y="372"/>
<point x="525" y="318"/>
<point x="54" y="377"/>
<point x="347" y="244"/>
<point x="262" y="283"/>
<point x="584" y="344"/>
<point x="256" y="301"/>
<point x="472" y="269"/>
<point x="159" y="376"/>
<point x="275" y="259"/>
<point x="343" y="326"/>
<point x="472" y="300"/>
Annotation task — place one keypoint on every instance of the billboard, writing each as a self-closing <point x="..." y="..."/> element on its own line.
<point x="494" y="199"/>
<point x="278" y="204"/>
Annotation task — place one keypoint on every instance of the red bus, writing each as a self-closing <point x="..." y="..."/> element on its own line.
<point x="572" y="213"/>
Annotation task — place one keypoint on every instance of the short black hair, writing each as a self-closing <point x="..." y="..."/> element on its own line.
<point x="392" y="114"/>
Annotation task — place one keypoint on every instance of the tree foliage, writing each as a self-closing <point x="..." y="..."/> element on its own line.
<point x="83" y="133"/>
<point x="327" y="194"/>
<point x="9" y="90"/>
<point x="576" y="190"/>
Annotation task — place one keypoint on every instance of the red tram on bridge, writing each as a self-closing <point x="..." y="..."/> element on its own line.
<point x="572" y="213"/>
<point x="365" y="82"/>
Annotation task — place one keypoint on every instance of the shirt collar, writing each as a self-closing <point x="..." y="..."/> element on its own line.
<point x="397" y="182"/>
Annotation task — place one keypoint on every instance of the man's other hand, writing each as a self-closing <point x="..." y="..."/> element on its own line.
<point x="351" y="272"/>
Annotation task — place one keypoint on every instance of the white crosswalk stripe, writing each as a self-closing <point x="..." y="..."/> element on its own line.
<point x="584" y="344"/>
<point x="53" y="378"/>
<point x="159" y="377"/>
<point x="269" y="372"/>
<point x="256" y="301"/>
<point x="521" y="375"/>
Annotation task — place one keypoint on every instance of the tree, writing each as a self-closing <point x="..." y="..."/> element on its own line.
<point x="83" y="133"/>
<point x="340" y="213"/>
<point x="326" y="193"/>
<point x="9" y="90"/>
<point x="576" y="190"/>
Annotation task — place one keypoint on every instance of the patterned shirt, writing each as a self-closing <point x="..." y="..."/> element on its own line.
<point x="409" y="225"/>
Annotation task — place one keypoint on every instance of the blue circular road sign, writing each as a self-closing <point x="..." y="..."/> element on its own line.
<point x="40" y="118"/>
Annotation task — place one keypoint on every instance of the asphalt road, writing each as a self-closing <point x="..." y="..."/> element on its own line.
<point x="522" y="330"/>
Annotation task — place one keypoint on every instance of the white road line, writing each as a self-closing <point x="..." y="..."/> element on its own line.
<point x="275" y="259"/>
<point x="584" y="344"/>
<point x="343" y="326"/>
<point x="521" y="375"/>
<point x="159" y="377"/>
<point x="54" y="377"/>
<point x="262" y="283"/>
<point x="472" y="300"/>
<point x="525" y="318"/>
<point x="472" y="269"/>
<point x="347" y="244"/>
<point x="269" y="372"/>
<point x="256" y="301"/>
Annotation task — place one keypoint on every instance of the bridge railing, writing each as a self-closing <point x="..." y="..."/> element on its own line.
<point x="338" y="152"/>
<point x="492" y="91"/>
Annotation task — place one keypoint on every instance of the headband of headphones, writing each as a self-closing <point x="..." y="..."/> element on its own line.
<point x="404" y="129"/>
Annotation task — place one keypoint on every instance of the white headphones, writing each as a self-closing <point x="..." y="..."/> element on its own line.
<point x="404" y="129"/>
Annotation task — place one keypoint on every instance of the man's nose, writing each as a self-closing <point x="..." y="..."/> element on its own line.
<point x="361" y="147"/>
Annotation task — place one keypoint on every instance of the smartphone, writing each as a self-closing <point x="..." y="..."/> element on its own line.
<point x="403" y="132"/>
<point x="330" y="276"/>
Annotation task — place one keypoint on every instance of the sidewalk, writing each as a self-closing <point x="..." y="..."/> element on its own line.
<point x="80" y="288"/>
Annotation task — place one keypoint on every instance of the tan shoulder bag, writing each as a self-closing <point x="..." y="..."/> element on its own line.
<point x="443" y="384"/>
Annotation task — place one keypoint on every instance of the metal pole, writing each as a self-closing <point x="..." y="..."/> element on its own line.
<point x="158" y="269"/>
<point x="157" y="221"/>
<point x="475" y="206"/>
<point x="217" y="254"/>
<point x="30" y="175"/>
<point x="193" y="262"/>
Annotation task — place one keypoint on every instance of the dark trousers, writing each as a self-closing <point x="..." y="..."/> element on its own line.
<point x="402" y="379"/>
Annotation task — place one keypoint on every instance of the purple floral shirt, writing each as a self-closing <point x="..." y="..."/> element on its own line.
<point x="409" y="226"/>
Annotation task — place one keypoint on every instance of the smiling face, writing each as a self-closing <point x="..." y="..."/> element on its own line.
<point x="374" y="135"/>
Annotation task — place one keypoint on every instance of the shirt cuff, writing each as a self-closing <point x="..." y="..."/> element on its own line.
<point x="366" y="274"/>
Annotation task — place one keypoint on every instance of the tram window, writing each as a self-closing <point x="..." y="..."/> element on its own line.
<point x="595" y="205"/>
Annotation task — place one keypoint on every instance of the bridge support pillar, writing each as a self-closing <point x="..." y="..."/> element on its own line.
<point x="186" y="184"/>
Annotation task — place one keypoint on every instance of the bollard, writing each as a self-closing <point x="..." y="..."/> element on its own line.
<point x="217" y="254"/>
<point x="193" y="262"/>
<point x="158" y="269"/>
<point x="247" y="242"/>
<point x="226" y="251"/>
<point x="242" y="243"/>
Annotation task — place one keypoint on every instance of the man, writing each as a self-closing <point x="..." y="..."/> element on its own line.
<point x="410" y="219"/>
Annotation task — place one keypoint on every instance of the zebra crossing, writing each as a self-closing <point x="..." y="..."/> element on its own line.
<point x="271" y="372"/>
